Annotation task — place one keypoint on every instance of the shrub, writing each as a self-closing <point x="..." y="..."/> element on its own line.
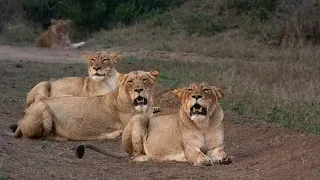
<point x="257" y="9"/>
<point x="93" y="15"/>
<point x="9" y="10"/>
<point x="18" y="33"/>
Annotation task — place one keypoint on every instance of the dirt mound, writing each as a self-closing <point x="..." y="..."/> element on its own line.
<point x="165" y="99"/>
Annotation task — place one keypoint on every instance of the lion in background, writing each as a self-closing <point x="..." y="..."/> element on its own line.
<point x="90" y="118"/>
<point x="57" y="35"/>
<point x="103" y="78"/>
<point x="195" y="134"/>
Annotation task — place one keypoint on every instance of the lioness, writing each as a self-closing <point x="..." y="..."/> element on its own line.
<point x="195" y="134"/>
<point x="57" y="35"/>
<point x="90" y="118"/>
<point x="103" y="78"/>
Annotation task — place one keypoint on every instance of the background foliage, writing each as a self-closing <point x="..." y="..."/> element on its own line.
<point x="93" y="14"/>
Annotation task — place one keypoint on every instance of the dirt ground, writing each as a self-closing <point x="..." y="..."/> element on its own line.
<point x="262" y="151"/>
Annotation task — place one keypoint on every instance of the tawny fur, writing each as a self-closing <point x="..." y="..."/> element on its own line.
<point x="197" y="139"/>
<point x="90" y="118"/>
<point x="103" y="78"/>
<point x="57" y="35"/>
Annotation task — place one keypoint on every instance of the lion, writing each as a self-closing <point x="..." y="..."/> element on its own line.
<point x="195" y="134"/>
<point x="90" y="118"/>
<point x="103" y="78"/>
<point x="57" y="35"/>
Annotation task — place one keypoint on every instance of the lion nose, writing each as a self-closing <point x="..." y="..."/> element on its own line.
<point x="138" y="90"/>
<point x="197" y="96"/>
<point x="96" y="68"/>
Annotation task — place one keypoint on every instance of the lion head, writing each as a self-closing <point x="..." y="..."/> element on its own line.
<point x="139" y="86"/>
<point x="199" y="100"/>
<point x="101" y="63"/>
<point x="61" y="27"/>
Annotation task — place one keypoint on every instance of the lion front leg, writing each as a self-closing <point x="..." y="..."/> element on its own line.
<point x="37" y="122"/>
<point x="192" y="144"/>
<point x="198" y="158"/>
<point x="218" y="155"/>
<point x="132" y="137"/>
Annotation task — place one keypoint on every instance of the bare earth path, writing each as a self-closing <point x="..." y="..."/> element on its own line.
<point x="64" y="56"/>
<point x="262" y="151"/>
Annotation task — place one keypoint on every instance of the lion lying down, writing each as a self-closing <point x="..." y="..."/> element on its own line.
<point x="57" y="35"/>
<point x="90" y="118"/>
<point x="195" y="134"/>
<point x="103" y="78"/>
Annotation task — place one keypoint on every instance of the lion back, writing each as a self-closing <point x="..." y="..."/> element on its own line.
<point x="39" y="92"/>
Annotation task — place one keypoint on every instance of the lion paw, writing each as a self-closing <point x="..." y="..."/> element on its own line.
<point x="156" y="109"/>
<point x="140" y="158"/>
<point x="226" y="160"/>
<point x="203" y="161"/>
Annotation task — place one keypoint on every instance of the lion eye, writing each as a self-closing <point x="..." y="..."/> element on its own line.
<point x="106" y="59"/>
<point x="92" y="60"/>
<point x="189" y="89"/>
<point x="130" y="81"/>
<point x="206" y="90"/>
<point x="145" y="79"/>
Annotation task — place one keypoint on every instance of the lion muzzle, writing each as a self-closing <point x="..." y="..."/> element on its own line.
<point x="197" y="109"/>
<point x="140" y="101"/>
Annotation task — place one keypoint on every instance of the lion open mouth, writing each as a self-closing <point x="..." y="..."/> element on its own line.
<point x="97" y="74"/>
<point x="140" y="101"/>
<point x="198" y="110"/>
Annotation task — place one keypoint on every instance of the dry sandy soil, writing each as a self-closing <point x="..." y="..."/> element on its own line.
<point x="262" y="151"/>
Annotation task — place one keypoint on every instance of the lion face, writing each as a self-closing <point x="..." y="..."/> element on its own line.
<point x="61" y="27"/>
<point x="101" y="63"/>
<point x="139" y="86"/>
<point x="199" y="100"/>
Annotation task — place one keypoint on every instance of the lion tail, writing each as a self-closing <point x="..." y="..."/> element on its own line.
<point x="40" y="91"/>
<point x="14" y="131"/>
<point x="81" y="150"/>
<point x="78" y="45"/>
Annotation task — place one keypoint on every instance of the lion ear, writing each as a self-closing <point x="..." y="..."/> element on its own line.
<point x="178" y="92"/>
<point x="220" y="92"/>
<point x="87" y="56"/>
<point x="155" y="73"/>
<point x="115" y="56"/>
<point x="53" y="21"/>
<point x="122" y="78"/>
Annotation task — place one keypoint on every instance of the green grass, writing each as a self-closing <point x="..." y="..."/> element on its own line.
<point x="3" y="177"/>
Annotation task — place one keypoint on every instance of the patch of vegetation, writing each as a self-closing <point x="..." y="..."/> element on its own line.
<point x="89" y="15"/>
<point x="3" y="177"/>
<point x="18" y="34"/>
<point x="260" y="10"/>
<point x="44" y="144"/>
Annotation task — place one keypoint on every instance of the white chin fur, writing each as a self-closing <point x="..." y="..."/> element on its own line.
<point x="141" y="108"/>
<point x="98" y="77"/>
<point x="198" y="117"/>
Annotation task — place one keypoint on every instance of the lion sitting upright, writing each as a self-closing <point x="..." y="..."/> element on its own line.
<point x="90" y="118"/>
<point x="103" y="78"/>
<point x="57" y="35"/>
<point x="195" y="134"/>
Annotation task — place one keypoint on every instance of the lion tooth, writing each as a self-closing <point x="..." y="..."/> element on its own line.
<point x="200" y="109"/>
